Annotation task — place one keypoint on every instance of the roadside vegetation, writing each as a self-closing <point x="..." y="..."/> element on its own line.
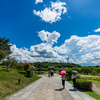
<point x="84" y="83"/>
<point x="91" y="93"/>
<point x="9" y="81"/>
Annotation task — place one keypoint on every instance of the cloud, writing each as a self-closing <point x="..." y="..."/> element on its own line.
<point x="81" y="50"/>
<point x="53" y="13"/>
<point x="38" y="1"/>
<point x="40" y="51"/>
<point x="21" y="54"/>
<point x="50" y="38"/>
<point x="45" y="49"/>
<point x="97" y="30"/>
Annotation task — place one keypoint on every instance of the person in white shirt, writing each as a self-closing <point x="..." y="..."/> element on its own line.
<point x="73" y="78"/>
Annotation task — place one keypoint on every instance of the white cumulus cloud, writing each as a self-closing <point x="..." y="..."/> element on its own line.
<point x="38" y="1"/>
<point x="81" y="50"/>
<point x="50" y="38"/>
<point x="53" y="13"/>
<point x="97" y="30"/>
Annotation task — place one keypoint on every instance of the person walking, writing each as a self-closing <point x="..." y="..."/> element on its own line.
<point x="63" y="81"/>
<point x="49" y="74"/>
<point x="73" y="78"/>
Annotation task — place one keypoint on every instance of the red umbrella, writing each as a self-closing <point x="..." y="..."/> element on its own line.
<point x="62" y="73"/>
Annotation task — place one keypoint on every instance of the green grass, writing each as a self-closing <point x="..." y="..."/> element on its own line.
<point x="9" y="81"/>
<point x="91" y="93"/>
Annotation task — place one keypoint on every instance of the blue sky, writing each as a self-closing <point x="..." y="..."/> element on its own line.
<point x="43" y="30"/>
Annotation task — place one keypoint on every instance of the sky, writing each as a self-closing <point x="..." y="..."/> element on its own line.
<point x="51" y="31"/>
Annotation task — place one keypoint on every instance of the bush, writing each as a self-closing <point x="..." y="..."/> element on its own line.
<point x="68" y="78"/>
<point x="29" y="73"/>
<point x="69" y="73"/>
<point x="39" y="72"/>
<point x="94" y="72"/>
<point x="27" y="67"/>
<point x="83" y="84"/>
<point x="78" y="76"/>
<point x="19" y="67"/>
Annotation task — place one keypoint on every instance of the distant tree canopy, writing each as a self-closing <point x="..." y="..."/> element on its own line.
<point x="5" y="46"/>
<point x="56" y="64"/>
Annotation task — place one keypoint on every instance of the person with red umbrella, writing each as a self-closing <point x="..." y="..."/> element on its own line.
<point x="63" y="74"/>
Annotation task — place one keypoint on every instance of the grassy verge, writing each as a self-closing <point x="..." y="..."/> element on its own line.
<point x="91" y="93"/>
<point x="9" y="81"/>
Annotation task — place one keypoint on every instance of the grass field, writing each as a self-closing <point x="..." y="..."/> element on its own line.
<point x="9" y="81"/>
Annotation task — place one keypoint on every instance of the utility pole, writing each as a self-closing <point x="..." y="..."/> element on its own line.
<point x="67" y="61"/>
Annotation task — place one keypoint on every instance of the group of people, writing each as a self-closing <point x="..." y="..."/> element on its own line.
<point x="50" y="74"/>
<point x="73" y="78"/>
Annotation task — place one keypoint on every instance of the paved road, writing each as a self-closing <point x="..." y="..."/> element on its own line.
<point x="49" y="89"/>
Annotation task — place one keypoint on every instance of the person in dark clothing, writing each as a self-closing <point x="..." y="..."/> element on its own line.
<point x="63" y="81"/>
<point x="73" y="78"/>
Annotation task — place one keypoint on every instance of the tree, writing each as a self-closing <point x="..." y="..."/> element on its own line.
<point x="2" y="54"/>
<point x="5" y="46"/>
<point x="11" y="61"/>
<point x="86" y="70"/>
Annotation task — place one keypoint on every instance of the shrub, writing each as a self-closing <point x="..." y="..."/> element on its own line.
<point x="27" y="67"/>
<point x="29" y="73"/>
<point x="83" y="84"/>
<point x="94" y="78"/>
<point x="35" y="72"/>
<point x="7" y="64"/>
<point x="78" y="76"/>
<point x="19" y="67"/>
<point x="68" y="78"/>
<point x="39" y="72"/>
<point x="93" y="72"/>
<point x="3" y="62"/>
<point x="69" y="73"/>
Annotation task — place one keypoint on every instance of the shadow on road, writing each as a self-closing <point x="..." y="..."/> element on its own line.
<point x="72" y="90"/>
<point x="59" y="89"/>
